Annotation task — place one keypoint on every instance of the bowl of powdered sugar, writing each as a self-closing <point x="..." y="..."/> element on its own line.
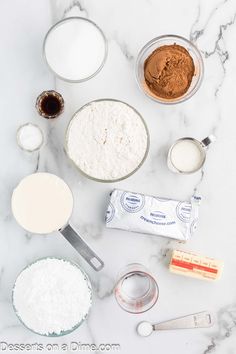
<point x="52" y="297"/>
<point x="107" y="140"/>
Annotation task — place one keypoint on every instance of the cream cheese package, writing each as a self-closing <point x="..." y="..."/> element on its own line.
<point x="152" y="215"/>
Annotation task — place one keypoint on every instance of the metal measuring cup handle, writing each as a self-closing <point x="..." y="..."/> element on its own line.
<point x="208" y="140"/>
<point x="81" y="246"/>
<point x="198" y="320"/>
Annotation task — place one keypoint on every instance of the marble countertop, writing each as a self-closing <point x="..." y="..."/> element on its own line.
<point x="128" y="25"/>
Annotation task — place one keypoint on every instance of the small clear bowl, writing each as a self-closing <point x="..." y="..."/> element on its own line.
<point x="107" y="180"/>
<point x="62" y="22"/>
<point x="63" y="333"/>
<point x="138" y="295"/>
<point x="21" y="127"/>
<point x="170" y="39"/>
<point x="45" y="94"/>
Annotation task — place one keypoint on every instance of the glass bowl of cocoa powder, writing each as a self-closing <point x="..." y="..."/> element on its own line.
<point x="169" y="69"/>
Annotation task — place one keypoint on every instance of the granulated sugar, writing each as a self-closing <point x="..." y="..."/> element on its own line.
<point x="75" y="49"/>
<point x="107" y="140"/>
<point x="51" y="296"/>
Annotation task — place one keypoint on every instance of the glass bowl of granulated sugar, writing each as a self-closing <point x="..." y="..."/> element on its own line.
<point x="52" y="297"/>
<point x="107" y="140"/>
<point x="75" y="49"/>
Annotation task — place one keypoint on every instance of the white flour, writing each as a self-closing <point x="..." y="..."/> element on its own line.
<point x="51" y="296"/>
<point x="107" y="140"/>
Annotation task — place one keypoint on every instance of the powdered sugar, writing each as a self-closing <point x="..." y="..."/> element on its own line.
<point x="107" y="140"/>
<point x="52" y="296"/>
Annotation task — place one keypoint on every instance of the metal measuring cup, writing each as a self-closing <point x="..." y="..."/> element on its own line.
<point x="202" y="146"/>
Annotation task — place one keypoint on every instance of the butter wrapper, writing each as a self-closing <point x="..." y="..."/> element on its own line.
<point x="152" y="215"/>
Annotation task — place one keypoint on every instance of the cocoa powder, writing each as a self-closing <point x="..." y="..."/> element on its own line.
<point x="168" y="71"/>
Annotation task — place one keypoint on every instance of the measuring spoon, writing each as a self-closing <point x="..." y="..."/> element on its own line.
<point x="197" y="320"/>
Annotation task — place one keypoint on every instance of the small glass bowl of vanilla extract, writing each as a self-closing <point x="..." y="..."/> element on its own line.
<point x="50" y="104"/>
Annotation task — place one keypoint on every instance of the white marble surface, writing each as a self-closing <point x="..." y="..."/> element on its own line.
<point x="128" y="25"/>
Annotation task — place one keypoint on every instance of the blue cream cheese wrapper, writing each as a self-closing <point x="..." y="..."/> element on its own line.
<point x="152" y="215"/>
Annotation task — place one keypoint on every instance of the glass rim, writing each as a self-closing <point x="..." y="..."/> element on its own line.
<point x="106" y="180"/>
<point x="63" y="333"/>
<point x="187" y="95"/>
<point x="147" y="274"/>
<point x="59" y="23"/>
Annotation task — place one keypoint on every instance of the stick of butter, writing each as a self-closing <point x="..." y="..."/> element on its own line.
<point x="196" y="266"/>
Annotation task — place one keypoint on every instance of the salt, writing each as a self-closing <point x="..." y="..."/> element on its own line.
<point x="52" y="296"/>
<point x="144" y="329"/>
<point x="29" y="137"/>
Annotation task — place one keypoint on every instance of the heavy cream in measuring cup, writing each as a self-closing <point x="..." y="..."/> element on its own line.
<point x="187" y="155"/>
<point x="42" y="203"/>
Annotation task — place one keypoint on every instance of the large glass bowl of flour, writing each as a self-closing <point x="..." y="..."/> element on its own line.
<point x="107" y="140"/>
